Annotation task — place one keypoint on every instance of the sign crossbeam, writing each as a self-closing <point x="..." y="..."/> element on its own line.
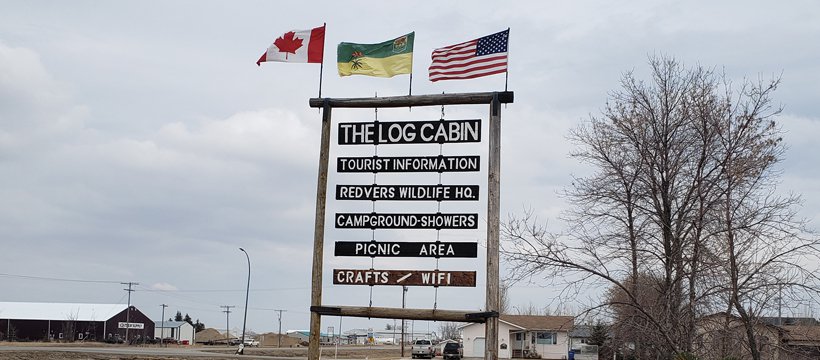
<point x="505" y="97"/>
<point x="403" y="313"/>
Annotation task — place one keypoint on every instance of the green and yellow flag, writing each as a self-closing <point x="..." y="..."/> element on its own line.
<point x="387" y="59"/>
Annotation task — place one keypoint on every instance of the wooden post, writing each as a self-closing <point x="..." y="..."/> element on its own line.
<point x="493" y="210"/>
<point x="319" y="237"/>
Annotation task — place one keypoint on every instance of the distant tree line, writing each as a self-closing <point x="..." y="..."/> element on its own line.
<point x="198" y="326"/>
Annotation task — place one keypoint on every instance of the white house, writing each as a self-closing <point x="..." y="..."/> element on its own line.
<point x="522" y="336"/>
<point x="180" y="331"/>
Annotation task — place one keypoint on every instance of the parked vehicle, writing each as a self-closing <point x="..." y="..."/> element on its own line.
<point x="452" y="351"/>
<point x="422" y="349"/>
<point x="251" y="342"/>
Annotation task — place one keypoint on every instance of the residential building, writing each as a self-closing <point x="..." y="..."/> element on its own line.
<point x="522" y="336"/>
<point x="180" y="331"/>
<point x="801" y="341"/>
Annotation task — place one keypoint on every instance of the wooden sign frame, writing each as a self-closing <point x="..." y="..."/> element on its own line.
<point x="490" y="315"/>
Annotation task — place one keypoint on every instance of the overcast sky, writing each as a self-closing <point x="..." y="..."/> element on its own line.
<point x="140" y="142"/>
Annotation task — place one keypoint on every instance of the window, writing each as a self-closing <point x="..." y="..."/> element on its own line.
<point x="546" y="338"/>
<point x="518" y="337"/>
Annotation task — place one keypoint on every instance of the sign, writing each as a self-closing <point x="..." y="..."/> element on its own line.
<point x="406" y="221"/>
<point x="409" y="132"/>
<point x="404" y="277"/>
<point x="407" y="249"/>
<point x="127" y="325"/>
<point x="407" y="192"/>
<point x="377" y="164"/>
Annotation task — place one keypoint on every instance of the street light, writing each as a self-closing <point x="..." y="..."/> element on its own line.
<point x="247" y="291"/>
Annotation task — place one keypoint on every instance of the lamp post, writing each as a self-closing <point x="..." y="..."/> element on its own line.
<point x="247" y="292"/>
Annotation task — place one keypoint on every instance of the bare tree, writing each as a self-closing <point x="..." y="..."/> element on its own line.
<point x="683" y="172"/>
<point x="69" y="326"/>
<point x="504" y="298"/>
<point x="530" y="309"/>
<point x="760" y="235"/>
<point x="449" y="330"/>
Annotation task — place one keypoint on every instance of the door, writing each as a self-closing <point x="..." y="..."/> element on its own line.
<point x="479" y="347"/>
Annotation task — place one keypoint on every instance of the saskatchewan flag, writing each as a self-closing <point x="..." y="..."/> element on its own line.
<point x="387" y="59"/>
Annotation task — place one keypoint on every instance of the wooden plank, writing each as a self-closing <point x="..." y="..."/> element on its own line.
<point x="377" y="164"/>
<point x="493" y="218"/>
<point x="420" y="249"/>
<point x="404" y="314"/>
<point x="406" y="221"/>
<point x="505" y="97"/>
<point x="372" y="277"/>
<point x="408" y="192"/>
<point x="319" y="236"/>
<point x="409" y="132"/>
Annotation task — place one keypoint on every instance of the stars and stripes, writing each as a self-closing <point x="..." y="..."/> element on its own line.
<point x="480" y="57"/>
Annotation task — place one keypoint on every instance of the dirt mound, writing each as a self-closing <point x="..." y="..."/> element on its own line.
<point x="272" y="339"/>
<point x="210" y="335"/>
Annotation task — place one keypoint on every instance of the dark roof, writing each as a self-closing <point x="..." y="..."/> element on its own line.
<point x="774" y="320"/>
<point x="539" y="322"/>
<point x="581" y="331"/>
<point x="797" y="333"/>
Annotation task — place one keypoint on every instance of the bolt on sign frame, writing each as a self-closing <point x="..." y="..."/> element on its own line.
<point x="490" y="315"/>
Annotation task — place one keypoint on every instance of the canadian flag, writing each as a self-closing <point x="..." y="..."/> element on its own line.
<point x="300" y="46"/>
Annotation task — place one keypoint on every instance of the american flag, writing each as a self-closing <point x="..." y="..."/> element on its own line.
<point x="480" y="57"/>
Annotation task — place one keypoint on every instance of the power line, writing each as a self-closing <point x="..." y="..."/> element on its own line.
<point x="32" y="277"/>
<point x="230" y="290"/>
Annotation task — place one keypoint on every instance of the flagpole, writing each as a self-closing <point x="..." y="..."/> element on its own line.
<point x="322" y="64"/>
<point x="506" y="73"/>
<point x="410" y="92"/>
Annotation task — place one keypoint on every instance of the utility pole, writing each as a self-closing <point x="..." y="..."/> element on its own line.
<point x="162" y="325"/>
<point x="280" y="326"/>
<point x="227" y="312"/>
<point x="128" y="310"/>
<point x="403" y="295"/>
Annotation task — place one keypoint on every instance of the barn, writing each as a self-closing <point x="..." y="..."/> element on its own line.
<point x="26" y="321"/>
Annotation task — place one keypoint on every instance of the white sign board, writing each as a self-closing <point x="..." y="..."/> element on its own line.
<point x="127" y="325"/>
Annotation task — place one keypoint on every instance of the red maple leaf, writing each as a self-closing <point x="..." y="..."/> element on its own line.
<point x="287" y="44"/>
